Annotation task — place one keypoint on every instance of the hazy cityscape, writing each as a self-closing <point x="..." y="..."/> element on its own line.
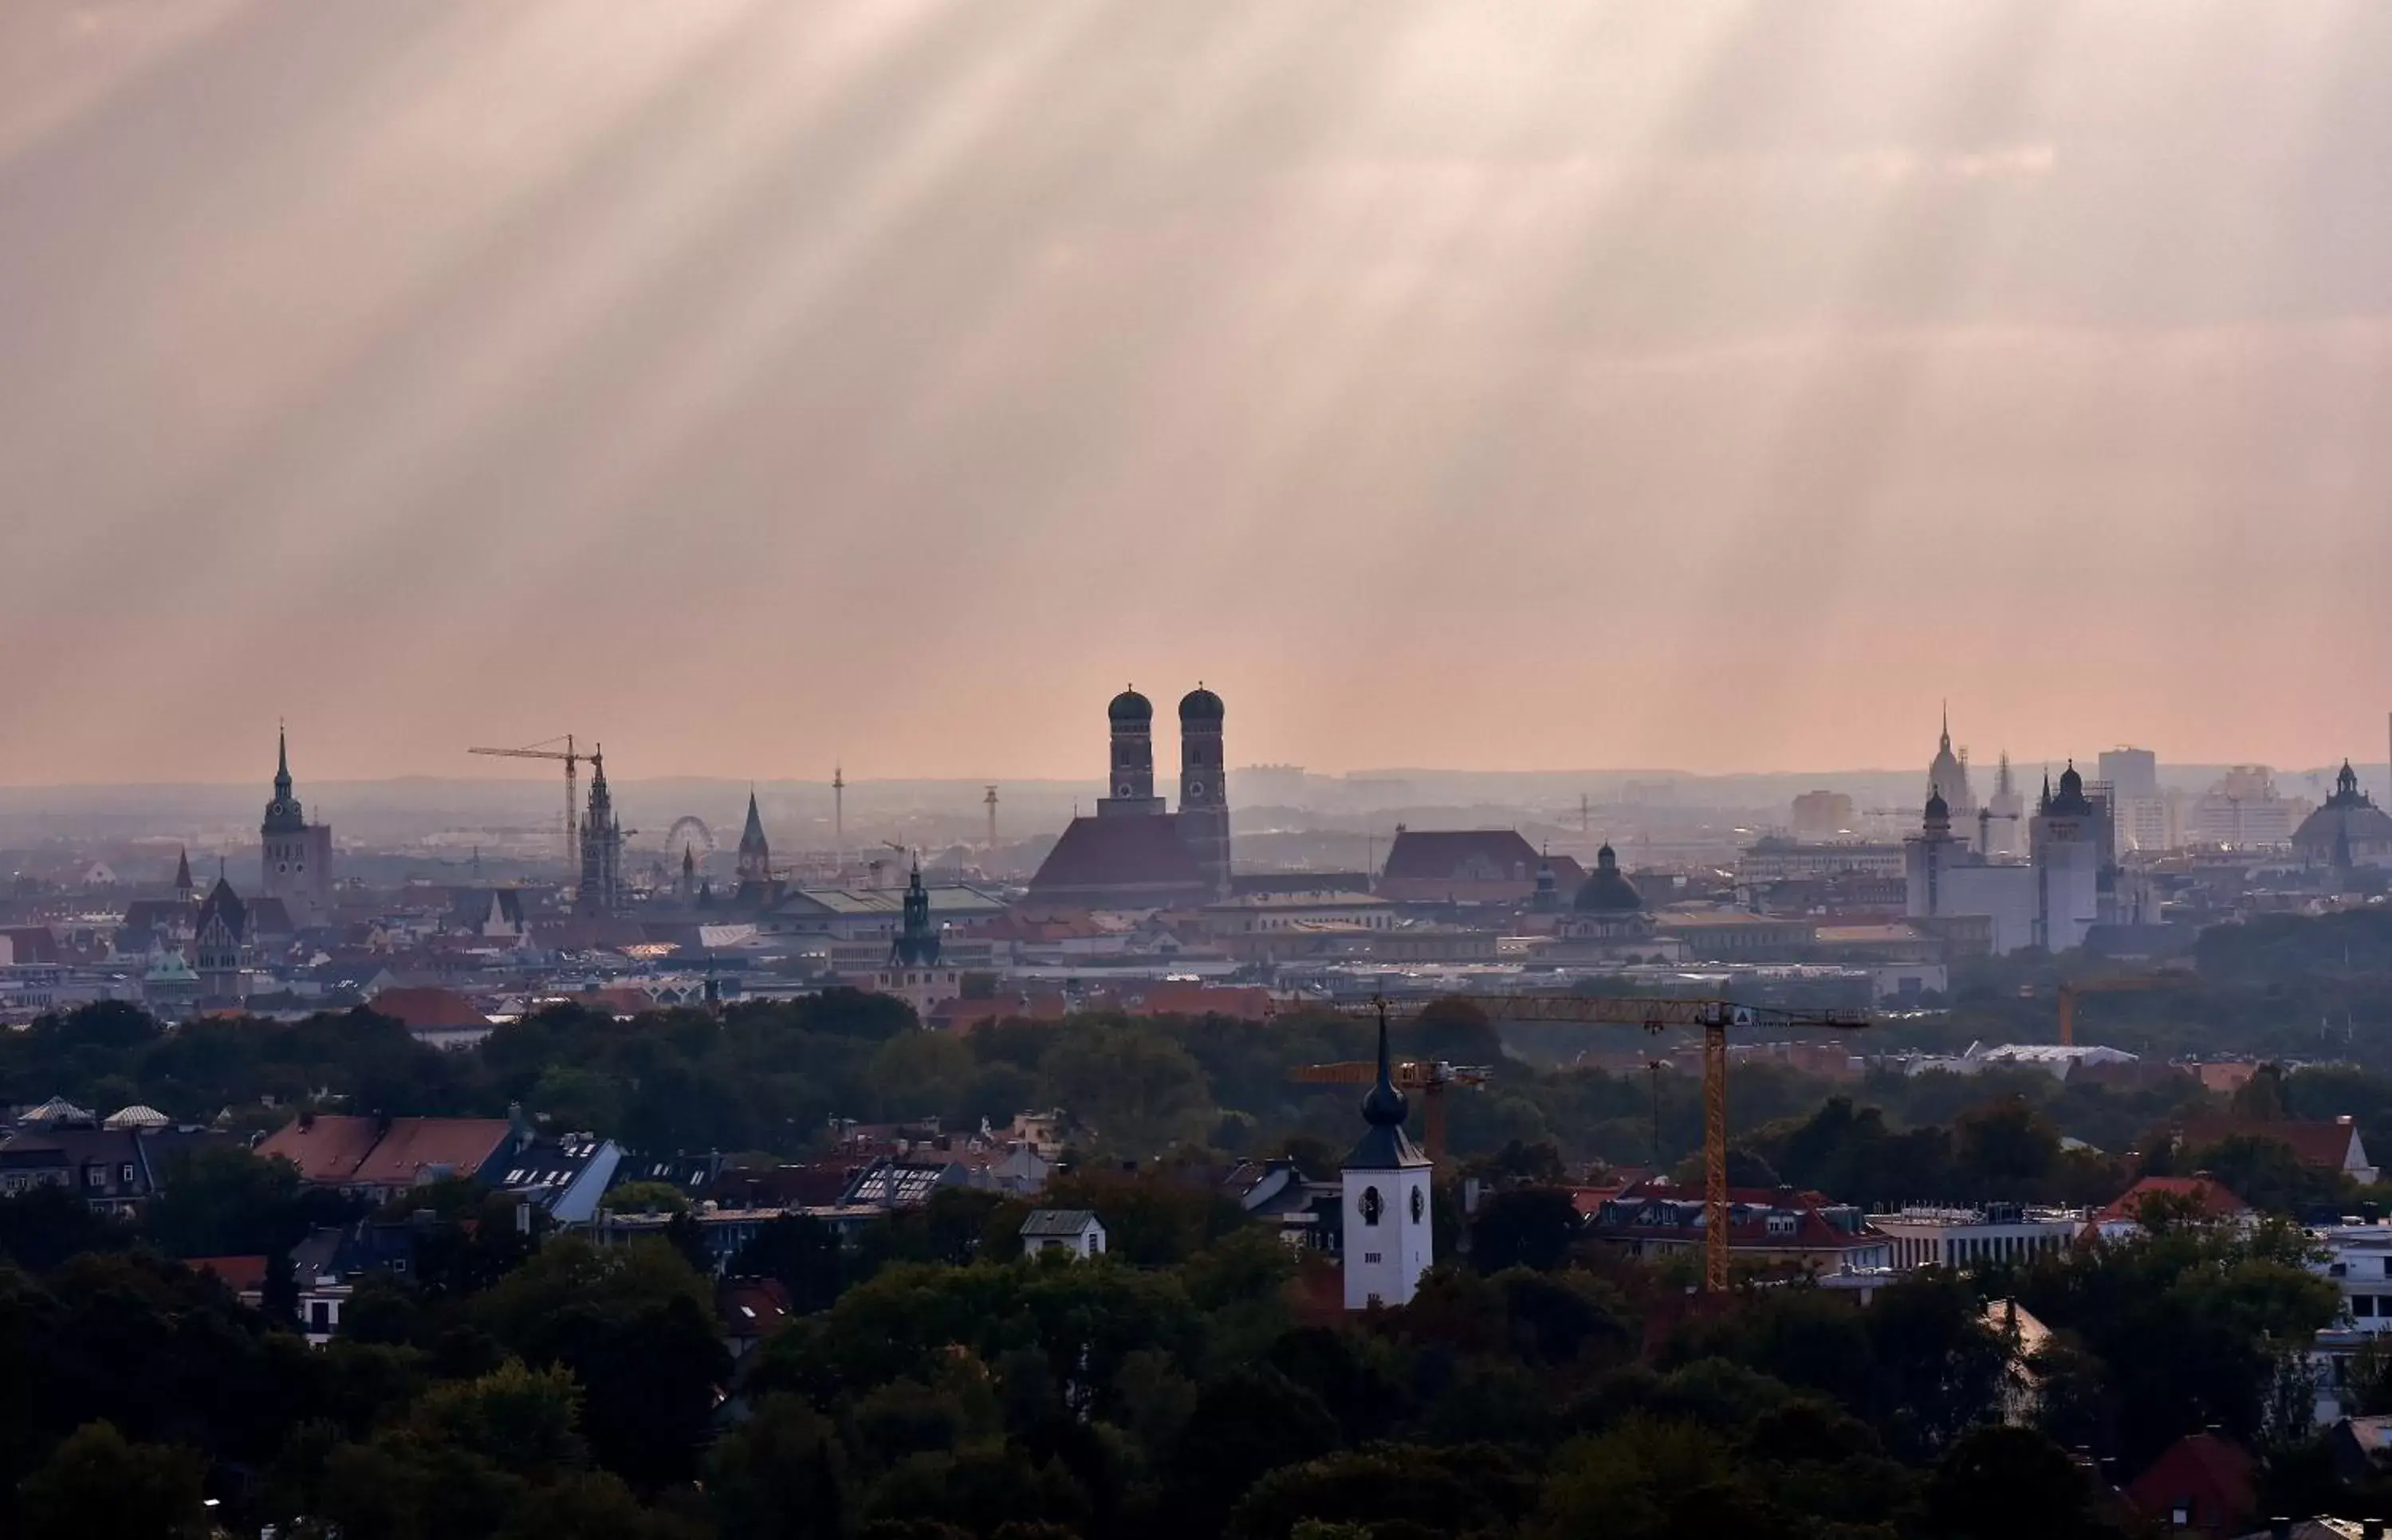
<point x="1084" y="770"/>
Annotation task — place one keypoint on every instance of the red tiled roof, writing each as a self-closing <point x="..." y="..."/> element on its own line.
<point x="2209" y="1195"/>
<point x="1134" y="854"/>
<point x="427" y="1009"/>
<point x="238" y="1273"/>
<point x="2215" y="1475"/>
<point x="30" y="944"/>
<point x="752" y="1307"/>
<point x="325" y="1149"/>
<point x="2322" y="1144"/>
<point x="413" y="1146"/>
<point x="1484" y="855"/>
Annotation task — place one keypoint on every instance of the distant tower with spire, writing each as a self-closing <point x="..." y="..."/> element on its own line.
<point x="916" y="943"/>
<point x="1948" y="773"/>
<point x="755" y="850"/>
<point x="601" y="889"/>
<point x="1386" y="1199"/>
<point x="294" y="856"/>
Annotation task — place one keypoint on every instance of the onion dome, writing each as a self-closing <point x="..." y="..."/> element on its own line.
<point x="1607" y="890"/>
<point x="1199" y="704"/>
<point x="1130" y="709"/>
<point x="1938" y="810"/>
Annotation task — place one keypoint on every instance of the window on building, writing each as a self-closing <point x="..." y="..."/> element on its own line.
<point x="320" y="1315"/>
<point x="125" y="1174"/>
<point x="2363" y="1305"/>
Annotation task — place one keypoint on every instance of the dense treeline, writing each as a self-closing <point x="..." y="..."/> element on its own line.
<point x="947" y="1389"/>
<point x="768" y="1078"/>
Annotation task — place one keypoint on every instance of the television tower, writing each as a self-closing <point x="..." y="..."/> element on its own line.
<point x="991" y="801"/>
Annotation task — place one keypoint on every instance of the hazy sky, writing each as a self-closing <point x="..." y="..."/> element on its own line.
<point x="760" y="385"/>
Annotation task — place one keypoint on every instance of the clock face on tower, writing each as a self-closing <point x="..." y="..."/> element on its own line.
<point x="1420" y="1204"/>
<point x="1372" y="1205"/>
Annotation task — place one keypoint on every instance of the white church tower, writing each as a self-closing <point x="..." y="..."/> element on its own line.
<point x="1386" y="1187"/>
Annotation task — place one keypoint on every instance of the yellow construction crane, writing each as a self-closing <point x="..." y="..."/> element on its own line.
<point x="546" y="749"/>
<point x="1657" y="1015"/>
<point x="1427" y="1077"/>
<point x="2120" y="984"/>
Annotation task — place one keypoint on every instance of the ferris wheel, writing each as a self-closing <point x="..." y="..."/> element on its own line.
<point x="689" y="833"/>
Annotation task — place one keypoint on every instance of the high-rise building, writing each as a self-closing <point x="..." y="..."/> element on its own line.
<point x="1385" y="1197"/>
<point x="2001" y="825"/>
<point x="2139" y="808"/>
<point x="294" y="856"/>
<point x="1822" y="815"/>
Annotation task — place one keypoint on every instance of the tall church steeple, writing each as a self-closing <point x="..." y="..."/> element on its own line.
<point x="755" y="850"/>
<point x="1385" y="1190"/>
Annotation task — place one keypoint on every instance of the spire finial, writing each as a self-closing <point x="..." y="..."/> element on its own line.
<point x="1385" y="1107"/>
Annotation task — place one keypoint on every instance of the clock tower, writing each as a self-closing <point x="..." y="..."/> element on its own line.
<point x="1386" y="1200"/>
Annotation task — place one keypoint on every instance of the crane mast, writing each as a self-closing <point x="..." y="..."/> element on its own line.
<point x="544" y="750"/>
<point x="1659" y="1014"/>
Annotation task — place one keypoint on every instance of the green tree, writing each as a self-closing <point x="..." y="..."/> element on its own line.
<point x="1141" y="1091"/>
<point x="1525" y="1227"/>
<point x="2000" y="1482"/>
<point x="524" y="1421"/>
<point x="781" y="1474"/>
<point x="647" y="1198"/>
<point x="97" y="1486"/>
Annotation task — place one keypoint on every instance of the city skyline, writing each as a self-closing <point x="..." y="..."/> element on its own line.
<point x="879" y="383"/>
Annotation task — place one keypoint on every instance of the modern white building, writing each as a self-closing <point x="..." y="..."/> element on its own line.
<point x="1963" y="1238"/>
<point x="1385" y="1201"/>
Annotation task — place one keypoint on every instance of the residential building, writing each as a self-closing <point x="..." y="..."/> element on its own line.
<point x="116" y="1166"/>
<point x="566" y="1178"/>
<point x="2327" y="1146"/>
<point x="380" y="1158"/>
<point x="1778" y="1228"/>
<point x="1074" y="1232"/>
<point x="2202" y="1197"/>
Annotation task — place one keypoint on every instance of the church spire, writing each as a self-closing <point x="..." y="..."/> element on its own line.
<point x="281" y="762"/>
<point x="1385" y="1107"/>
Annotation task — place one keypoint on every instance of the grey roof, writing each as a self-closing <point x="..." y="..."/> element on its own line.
<point x="1057" y="1222"/>
<point x="947" y="901"/>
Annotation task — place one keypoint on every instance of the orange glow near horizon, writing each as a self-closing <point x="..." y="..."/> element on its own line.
<point x="756" y="386"/>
